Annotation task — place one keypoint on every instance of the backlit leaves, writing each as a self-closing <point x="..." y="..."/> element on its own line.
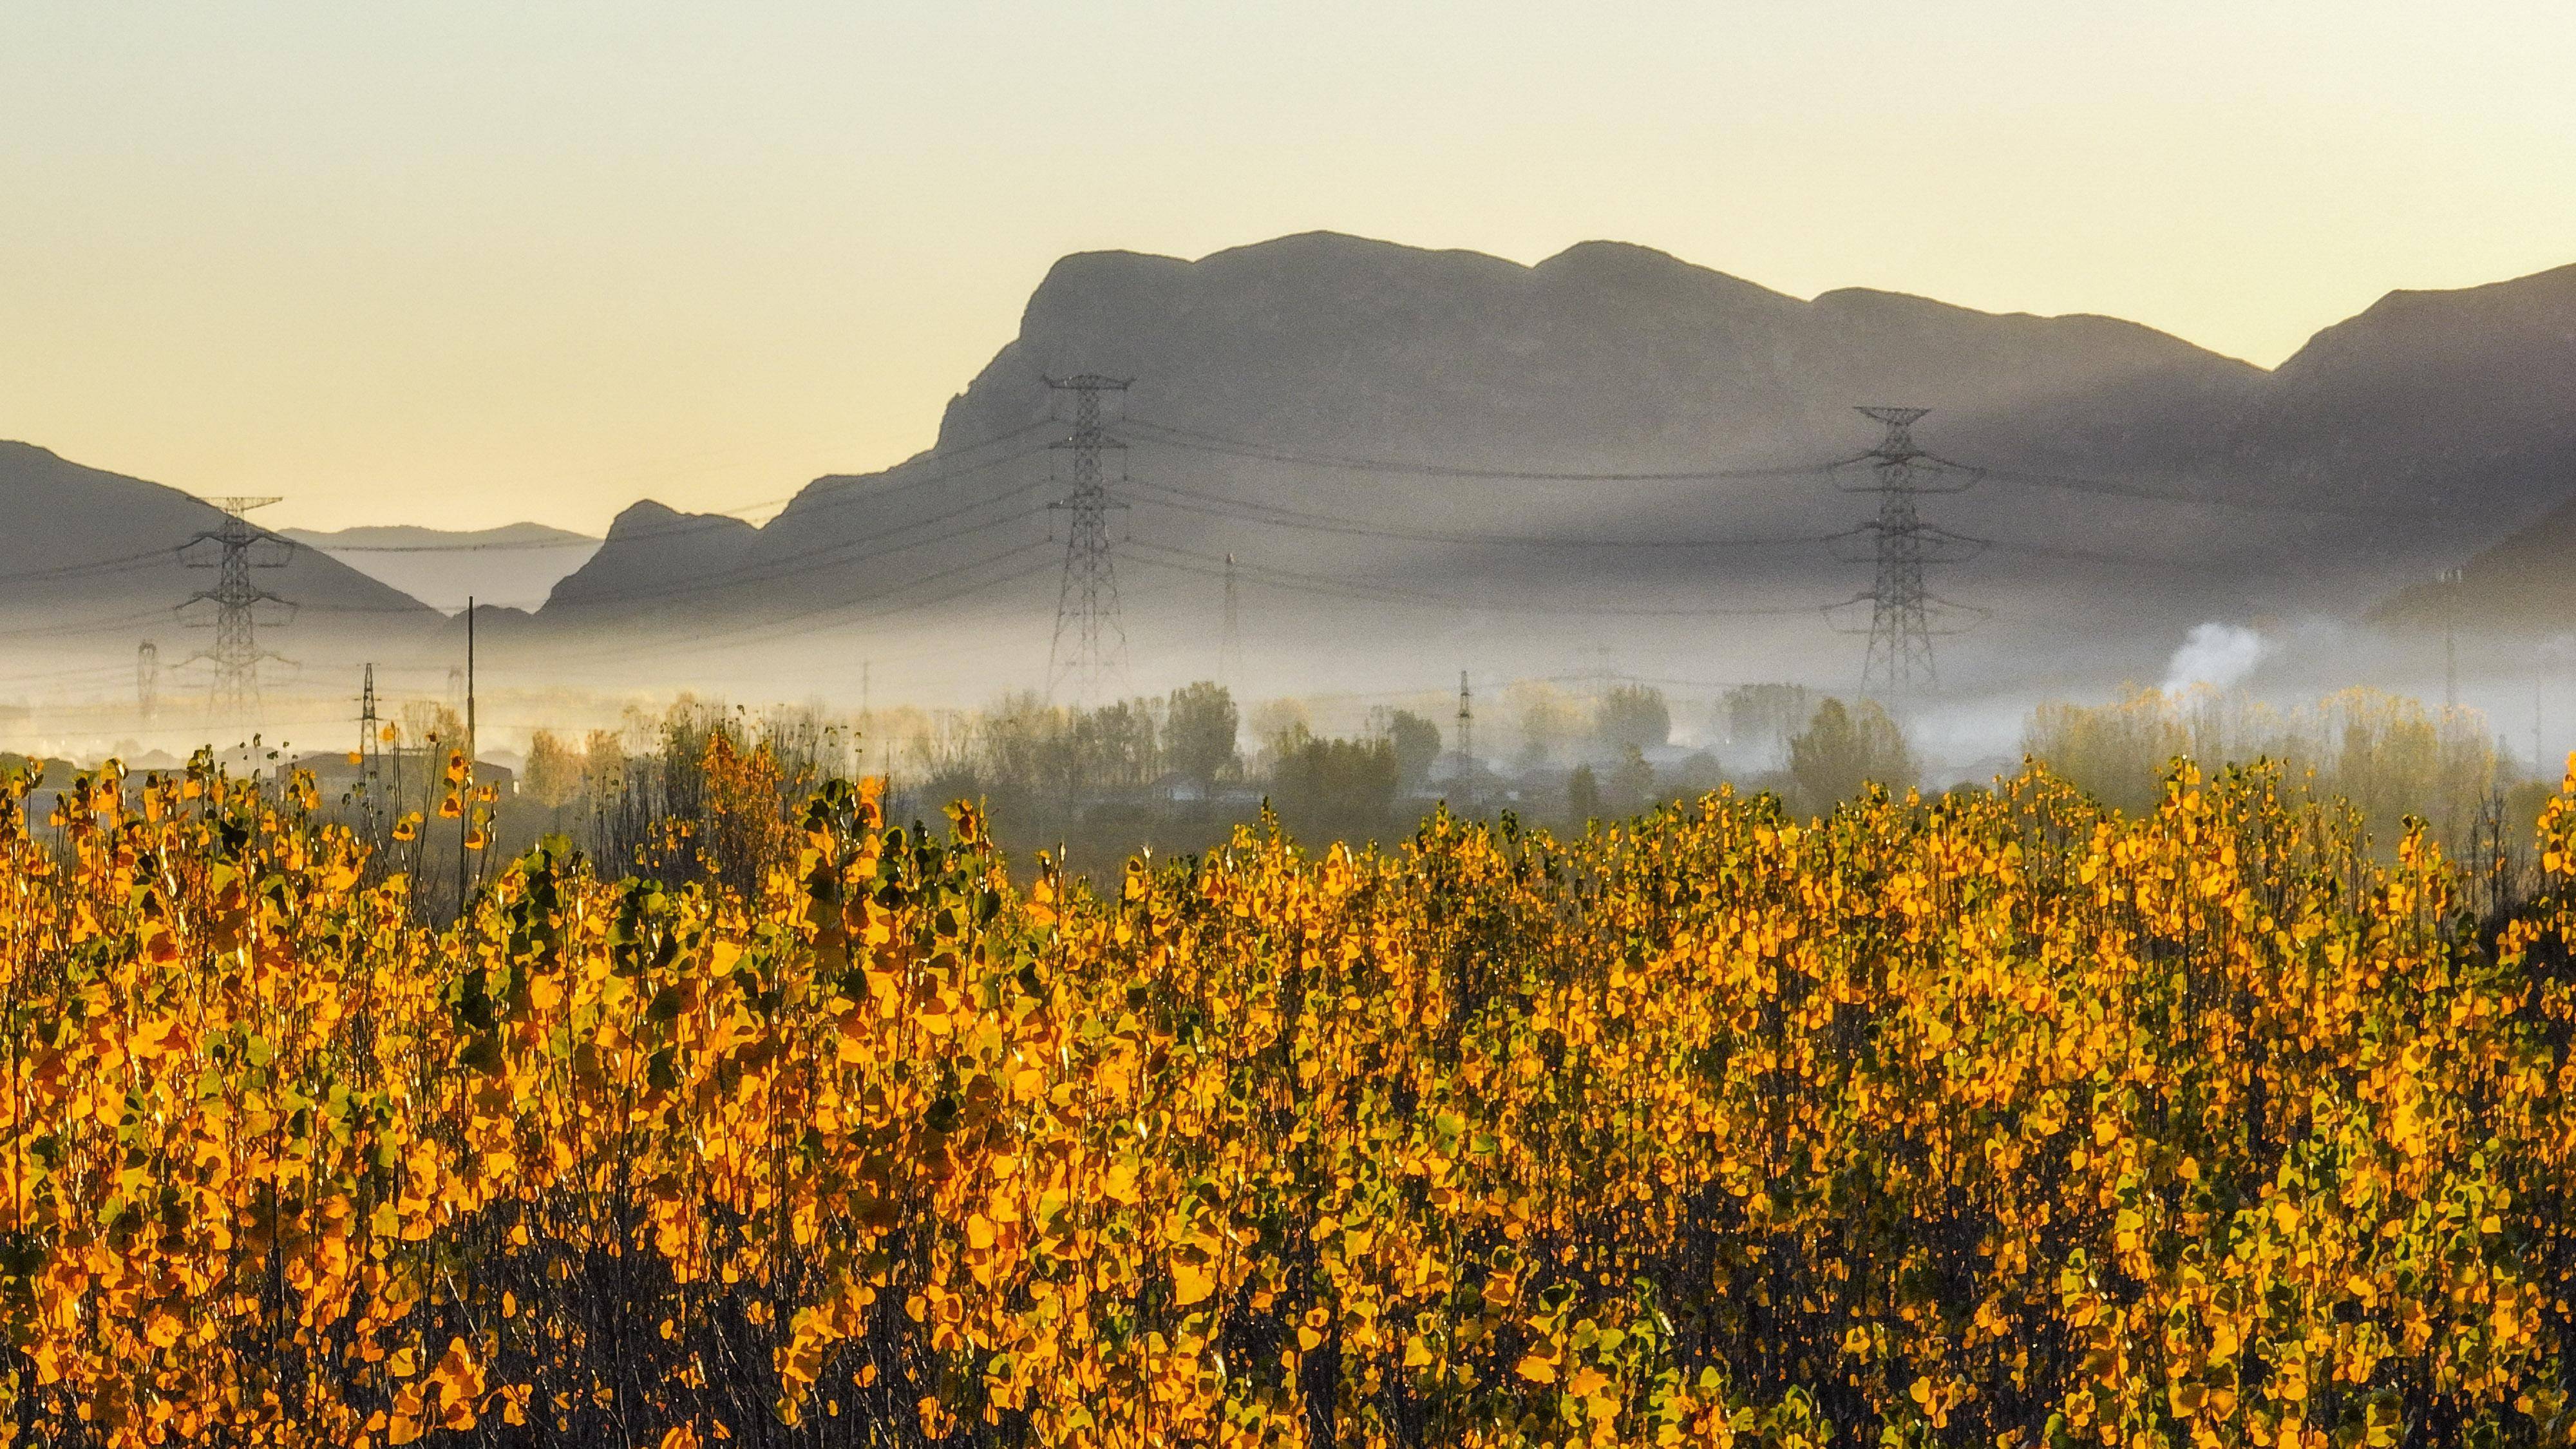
<point x="1995" y="1119"/>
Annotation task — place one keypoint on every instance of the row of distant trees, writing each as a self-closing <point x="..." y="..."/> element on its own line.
<point x="1179" y="771"/>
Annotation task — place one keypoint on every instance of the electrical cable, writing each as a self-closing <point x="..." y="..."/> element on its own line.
<point x="1212" y="566"/>
<point x="1192" y="501"/>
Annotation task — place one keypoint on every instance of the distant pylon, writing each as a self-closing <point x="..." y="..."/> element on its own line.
<point x="147" y="680"/>
<point x="1229" y="649"/>
<point x="234" y="697"/>
<point x="2451" y="581"/>
<point x="370" y="743"/>
<point x="1900" y="630"/>
<point x="1466" y="737"/>
<point x="1089" y="651"/>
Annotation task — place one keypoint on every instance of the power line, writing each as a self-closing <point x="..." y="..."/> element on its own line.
<point x="784" y="627"/>
<point x="1210" y="565"/>
<point x="1192" y="501"/>
<point x="811" y="560"/>
<point x="1240" y="448"/>
<point x="702" y="521"/>
<point x="1167" y="435"/>
<point x="120" y="564"/>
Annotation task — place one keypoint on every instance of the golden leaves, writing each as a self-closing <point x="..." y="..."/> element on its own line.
<point x="1543" y="1134"/>
<point x="1191" y="1283"/>
<point x="458" y="1380"/>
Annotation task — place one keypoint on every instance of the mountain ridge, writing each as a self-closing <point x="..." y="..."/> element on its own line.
<point x="2135" y="481"/>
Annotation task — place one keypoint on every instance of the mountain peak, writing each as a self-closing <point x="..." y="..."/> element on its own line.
<point x="646" y="516"/>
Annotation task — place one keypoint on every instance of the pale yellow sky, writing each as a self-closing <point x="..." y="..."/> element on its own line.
<point x="470" y="262"/>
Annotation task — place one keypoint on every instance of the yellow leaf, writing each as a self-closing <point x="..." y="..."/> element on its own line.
<point x="458" y="1378"/>
<point x="1535" y="1369"/>
<point x="1586" y="1382"/>
<point x="1121" y="1186"/>
<point x="1191" y="1284"/>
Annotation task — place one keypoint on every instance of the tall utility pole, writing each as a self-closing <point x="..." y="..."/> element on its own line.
<point x="1229" y="649"/>
<point x="1466" y="738"/>
<point x="370" y="740"/>
<point x="236" y="655"/>
<point x="1090" y="646"/>
<point x="465" y="792"/>
<point x="2451" y="580"/>
<point x="1900" y="625"/>
<point x="147" y="680"/>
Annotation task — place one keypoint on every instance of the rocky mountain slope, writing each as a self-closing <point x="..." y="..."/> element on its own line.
<point x="516" y="565"/>
<point x="1381" y="438"/>
<point x="2136" y="482"/>
<point x="92" y="564"/>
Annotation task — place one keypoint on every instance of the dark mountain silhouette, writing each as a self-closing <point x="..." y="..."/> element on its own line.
<point x="1330" y="410"/>
<point x="91" y="560"/>
<point x="516" y="565"/>
<point x="654" y="560"/>
<point x="2522" y="588"/>
<point x="2138" y="482"/>
<point x="2462" y="400"/>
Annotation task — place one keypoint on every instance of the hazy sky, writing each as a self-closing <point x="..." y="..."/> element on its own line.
<point x="476" y="261"/>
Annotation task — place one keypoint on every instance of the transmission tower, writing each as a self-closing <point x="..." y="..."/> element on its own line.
<point x="1089" y="651"/>
<point x="370" y="739"/>
<point x="147" y="680"/>
<point x="1229" y="649"/>
<point x="1466" y="738"/>
<point x="2450" y="581"/>
<point x="1901" y="619"/>
<point x="234" y="697"/>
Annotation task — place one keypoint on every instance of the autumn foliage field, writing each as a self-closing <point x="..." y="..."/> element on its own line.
<point x="1992" y="1118"/>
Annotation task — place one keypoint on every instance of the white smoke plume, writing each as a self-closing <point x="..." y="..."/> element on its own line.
<point x="2214" y="655"/>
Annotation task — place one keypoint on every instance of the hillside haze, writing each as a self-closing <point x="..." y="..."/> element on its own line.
<point x="2140" y="483"/>
<point x="515" y="565"/>
<point x="96" y="563"/>
<point x="1341" y="417"/>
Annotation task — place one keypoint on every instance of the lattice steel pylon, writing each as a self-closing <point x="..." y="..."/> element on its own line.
<point x="1466" y="739"/>
<point x="1229" y="649"/>
<point x="2451" y="582"/>
<point x="1901" y="618"/>
<point x="370" y="752"/>
<point x="237" y="605"/>
<point x="1089" y="651"/>
<point x="147" y="681"/>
